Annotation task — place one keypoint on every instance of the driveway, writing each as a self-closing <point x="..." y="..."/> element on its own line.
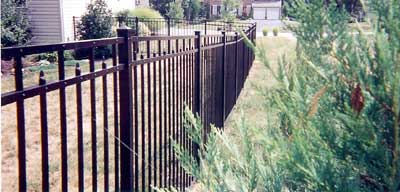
<point x="268" y="23"/>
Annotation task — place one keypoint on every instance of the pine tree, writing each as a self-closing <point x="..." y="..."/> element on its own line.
<point x="96" y="23"/>
<point x="333" y="116"/>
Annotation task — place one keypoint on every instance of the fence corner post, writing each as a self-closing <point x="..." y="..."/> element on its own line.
<point x="126" y="109"/>
<point x="223" y="76"/>
<point x="197" y="89"/>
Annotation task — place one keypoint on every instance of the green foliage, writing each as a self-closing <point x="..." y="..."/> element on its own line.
<point x="162" y="6"/>
<point x="125" y="14"/>
<point x="228" y="10"/>
<point x="52" y="57"/>
<point x="204" y="10"/>
<point x="15" y="27"/>
<point x="175" y="10"/>
<point x="275" y="31"/>
<point x="265" y="31"/>
<point x="251" y="14"/>
<point x="353" y="7"/>
<point x="96" y="23"/>
<point x="148" y="13"/>
<point x="193" y="9"/>
<point x="333" y="118"/>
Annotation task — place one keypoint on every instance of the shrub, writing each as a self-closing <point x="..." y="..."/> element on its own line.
<point x="275" y="31"/>
<point x="52" y="57"/>
<point x="146" y="14"/>
<point x="69" y="55"/>
<point x="265" y="31"/>
<point x="161" y="6"/>
<point x="15" y="27"/>
<point x="228" y="10"/>
<point x="143" y="29"/>
<point x="333" y="115"/>
<point x="175" y="10"/>
<point x="195" y="9"/>
<point x="96" y="23"/>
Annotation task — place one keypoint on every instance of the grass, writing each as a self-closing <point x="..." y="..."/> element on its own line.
<point x="33" y="142"/>
<point x="259" y="79"/>
<point x="247" y="104"/>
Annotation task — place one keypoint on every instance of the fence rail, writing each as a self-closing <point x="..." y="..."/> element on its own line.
<point x="169" y="26"/>
<point x="123" y="112"/>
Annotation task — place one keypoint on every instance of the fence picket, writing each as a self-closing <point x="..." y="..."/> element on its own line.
<point x="147" y="105"/>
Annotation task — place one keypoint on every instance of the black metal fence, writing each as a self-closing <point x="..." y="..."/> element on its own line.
<point x="116" y="118"/>
<point x="170" y="26"/>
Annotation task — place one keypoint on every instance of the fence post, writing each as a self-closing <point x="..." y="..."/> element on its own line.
<point x="126" y="109"/>
<point x="236" y="63"/>
<point x="169" y="26"/>
<point x="136" y="26"/>
<point x="223" y="101"/>
<point x="119" y="19"/>
<point x="197" y="88"/>
<point x="205" y="26"/>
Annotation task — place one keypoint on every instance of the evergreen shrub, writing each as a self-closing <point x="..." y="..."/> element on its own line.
<point x="96" y="23"/>
<point x="333" y="117"/>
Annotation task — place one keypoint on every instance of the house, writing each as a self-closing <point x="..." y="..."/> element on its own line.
<point x="267" y="9"/>
<point x="142" y="3"/>
<point x="262" y="9"/>
<point x="52" y="20"/>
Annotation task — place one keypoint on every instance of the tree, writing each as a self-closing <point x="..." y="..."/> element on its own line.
<point x="161" y="6"/>
<point x="15" y="27"/>
<point x="175" y="10"/>
<point x="229" y="8"/>
<point x="204" y="10"/>
<point x="353" y="7"/>
<point x="195" y="8"/>
<point x="333" y="116"/>
<point x="96" y="23"/>
<point x="192" y="8"/>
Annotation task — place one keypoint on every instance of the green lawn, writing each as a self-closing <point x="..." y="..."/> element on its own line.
<point x="249" y="102"/>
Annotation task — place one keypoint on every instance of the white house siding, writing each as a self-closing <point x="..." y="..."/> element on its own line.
<point x="45" y="20"/>
<point x="71" y="8"/>
<point x="78" y="7"/>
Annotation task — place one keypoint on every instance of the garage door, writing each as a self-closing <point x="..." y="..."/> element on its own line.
<point x="273" y="13"/>
<point x="259" y="13"/>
